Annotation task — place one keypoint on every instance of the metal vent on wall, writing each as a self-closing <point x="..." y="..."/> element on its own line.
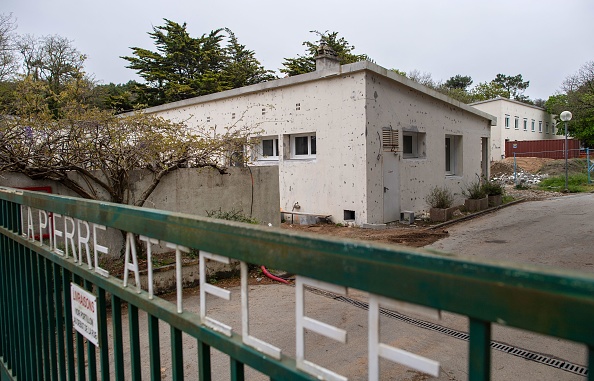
<point x="389" y="139"/>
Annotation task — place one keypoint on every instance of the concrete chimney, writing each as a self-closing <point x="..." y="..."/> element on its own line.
<point x="327" y="59"/>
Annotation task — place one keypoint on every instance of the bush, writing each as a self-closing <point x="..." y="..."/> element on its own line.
<point x="232" y="215"/>
<point x="575" y="183"/>
<point x="440" y="198"/>
<point x="475" y="190"/>
<point x="493" y="188"/>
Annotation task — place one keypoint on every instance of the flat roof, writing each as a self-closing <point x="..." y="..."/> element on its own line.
<point x="321" y="74"/>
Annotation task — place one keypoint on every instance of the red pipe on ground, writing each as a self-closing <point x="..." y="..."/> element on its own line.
<point x="273" y="277"/>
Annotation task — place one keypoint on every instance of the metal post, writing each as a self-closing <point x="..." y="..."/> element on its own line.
<point x="515" y="171"/>
<point x="566" y="157"/>
<point x="588" y="164"/>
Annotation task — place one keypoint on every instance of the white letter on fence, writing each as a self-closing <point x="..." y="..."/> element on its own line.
<point x="57" y="233"/>
<point x="131" y="249"/>
<point x="178" y="272"/>
<point x="99" y="249"/>
<point x="149" y="260"/>
<point x="42" y="225"/>
<point x="30" y="228"/>
<point x="377" y="349"/>
<point x="69" y="236"/>
<point x="84" y="241"/>
<point x="303" y="322"/>
<point x="213" y="290"/>
<point x="253" y="342"/>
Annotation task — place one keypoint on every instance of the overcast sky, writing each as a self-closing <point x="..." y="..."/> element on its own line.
<point x="544" y="40"/>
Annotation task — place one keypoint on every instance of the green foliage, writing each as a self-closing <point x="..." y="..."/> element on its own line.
<point x="232" y="215"/>
<point x="576" y="183"/>
<point x="578" y="98"/>
<point x="458" y="82"/>
<point x="440" y="198"/>
<point x="488" y="90"/>
<point x="183" y="66"/>
<point x="493" y="188"/>
<point x="475" y="190"/>
<point x="514" y="86"/>
<point x="307" y="63"/>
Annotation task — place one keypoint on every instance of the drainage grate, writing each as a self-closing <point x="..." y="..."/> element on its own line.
<point x="523" y="353"/>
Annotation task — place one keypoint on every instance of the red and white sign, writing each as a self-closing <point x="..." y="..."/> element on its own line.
<point x="84" y="313"/>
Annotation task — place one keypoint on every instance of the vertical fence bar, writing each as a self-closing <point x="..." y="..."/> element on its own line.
<point x="80" y="345"/>
<point x="237" y="370"/>
<point x="479" y="350"/>
<point x="204" y="371"/>
<point x="19" y="312"/>
<point x="515" y="171"/>
<point x="3" y="346"/>
<point x="31" y="314"/>
<point x="36" y="298"/>
<point x="155" y="355"/>
<point x="91" y="353"/>
<point x="588" y="165"/>
<point x="134" y="341"/>
<point x="177" y="356"/>
<point x="43" y="297"/>
<point x="590" y="363"/>
<point x="103" y="339"/>
<point x="51" y="306"/>
<point x="118" y="345"/>
<point x="68" y="328"/>
<point x="59" y="297"/>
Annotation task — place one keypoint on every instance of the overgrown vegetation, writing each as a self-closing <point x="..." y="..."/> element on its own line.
<point x="231" y="215"/>
<point x="493" y="188"/>
<point x="475" y="190"/>
<point x="439" y="197"/>
<point x="576" y="183"/>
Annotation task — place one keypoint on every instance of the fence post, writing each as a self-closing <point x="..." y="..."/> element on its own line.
<point x="515" y="171"/>
<point x="588" y="165"/>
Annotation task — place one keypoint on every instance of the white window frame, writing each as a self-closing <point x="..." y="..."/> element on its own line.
<point x="310" y="154"/>
<point x="417" y="143"/>
<point x="507" y="121"/>
<point x="525" y="124"/>
<point x="455" y="145"/>
<point x="533" y="126"/>
<point x="275" y="148"/>
<point x="547" y="127"/>
<point x="516" y="123"/>
<point x="540" y="126"/>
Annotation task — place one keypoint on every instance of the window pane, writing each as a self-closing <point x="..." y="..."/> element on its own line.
<point x="276" y="146"/>
<point x="313" y="145"/>
<point x="301" y="145"/>
<point x="407" y="142"/>
<point x="448" y="152"/>
<point x="267" y="149"/>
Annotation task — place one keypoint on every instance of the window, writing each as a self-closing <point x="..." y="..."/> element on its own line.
<point x="507" y="121"/>
<point x="389" y="139"/>
<point x="547" y="127"/>
<point x="268" y="148"/>
<point x="303" y="146"/>
<point x="453" y="155"/>
<point x="525" y="124"/>
<point x="413" y="144"/>
<point x="517" y="123"/>
<point x="540" y="126"/>
<point x="552" y="128"/>
<point x="532" y="125"/>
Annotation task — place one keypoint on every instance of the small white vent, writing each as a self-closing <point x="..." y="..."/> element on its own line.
<point x="389" y="139"/>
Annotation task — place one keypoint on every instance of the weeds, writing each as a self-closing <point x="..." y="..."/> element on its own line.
<point x="232" y="215"/>
<point x="440" y="198"/>
<point x="576" y="183"/>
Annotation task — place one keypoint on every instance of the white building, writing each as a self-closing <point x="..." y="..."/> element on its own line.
<point x="357" y="142"/>
<point x="516" y="121"/>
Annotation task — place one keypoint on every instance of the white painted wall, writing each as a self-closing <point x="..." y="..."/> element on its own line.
<point x="394" y="104"/>
<point x="346" y="109"/>
<point x="502" y="107"/>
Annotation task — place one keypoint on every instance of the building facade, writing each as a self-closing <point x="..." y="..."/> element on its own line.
<point x="516" y="121"/>
<point x="357" y="142"/>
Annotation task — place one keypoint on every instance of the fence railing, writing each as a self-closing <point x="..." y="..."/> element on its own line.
<point x="38" y="340"/>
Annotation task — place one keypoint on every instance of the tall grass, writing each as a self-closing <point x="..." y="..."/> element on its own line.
<point x="576" y="183"/>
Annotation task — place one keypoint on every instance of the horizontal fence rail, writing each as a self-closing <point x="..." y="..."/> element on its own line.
<point x="45" y="279"/>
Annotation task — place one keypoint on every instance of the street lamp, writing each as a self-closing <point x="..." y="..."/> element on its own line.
<point x="565" y="117"/>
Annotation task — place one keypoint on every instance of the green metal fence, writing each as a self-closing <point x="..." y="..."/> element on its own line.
<point x="37" y="341"/>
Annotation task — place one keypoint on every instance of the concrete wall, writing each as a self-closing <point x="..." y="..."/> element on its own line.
<point x="193" y="191"/>
<point x="345" y="108"/>
<point x="502" y="107"/>
<point x="404" y="108"/>
<point x="330" y="106"/>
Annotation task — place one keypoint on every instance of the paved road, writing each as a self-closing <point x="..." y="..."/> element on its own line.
<point x="556" y="232"/>
<point x="553" y="232"/>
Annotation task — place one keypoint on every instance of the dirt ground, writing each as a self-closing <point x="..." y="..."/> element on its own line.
<point x="536" y="165"/>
